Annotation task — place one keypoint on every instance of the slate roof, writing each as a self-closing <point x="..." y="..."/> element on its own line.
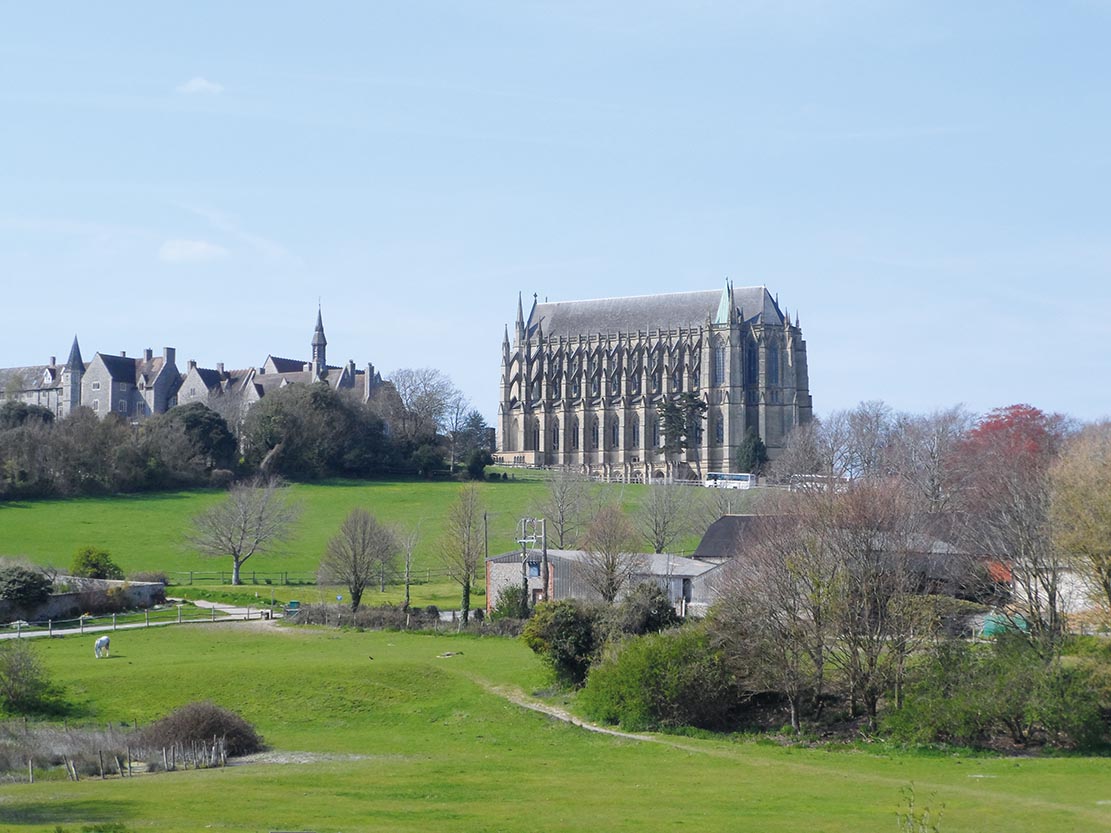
<point x="726" y="536"/>
<point x="650" y="312"/>
<point x="31" y="378"/>
<point x="287" y="365"/>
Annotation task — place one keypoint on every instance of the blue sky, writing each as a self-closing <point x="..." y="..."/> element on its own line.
<point x="927" y="184"/>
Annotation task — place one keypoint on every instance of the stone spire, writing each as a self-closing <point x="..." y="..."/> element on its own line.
<point x="319" y="345"/>
<point x="75" y="362"/>
<point x="520" y="320"/>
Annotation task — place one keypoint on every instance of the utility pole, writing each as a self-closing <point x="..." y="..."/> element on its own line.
<point x="528" y="534"/>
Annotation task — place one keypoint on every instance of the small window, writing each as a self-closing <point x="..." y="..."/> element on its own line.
<point x="534" y="569"/>
<point x="122" y="407"/>
<point x="96" y="386"/>
<point x="96" y="404"/>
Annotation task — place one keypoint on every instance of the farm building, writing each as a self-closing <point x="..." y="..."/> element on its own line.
<point x="568" y="575"/>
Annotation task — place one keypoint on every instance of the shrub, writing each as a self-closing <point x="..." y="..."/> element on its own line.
<point x="90" y="562"/>
<point x="663" y="681"/>
<point x="968" y="694"/>
<point x="566" y="635"/>
<point x="23" y="682"/>
<point x="203" y="721"/>
<point x="511" y="603"/>
<point x="22" y="586"/>
<point x="151" y="576"/>
<point x="646" y="609"/>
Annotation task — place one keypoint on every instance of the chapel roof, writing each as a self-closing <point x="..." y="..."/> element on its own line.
<point x="651" y="312"/>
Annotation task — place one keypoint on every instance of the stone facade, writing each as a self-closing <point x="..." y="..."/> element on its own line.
<point x="582" y="382"/>
<point x="136" y="387"/>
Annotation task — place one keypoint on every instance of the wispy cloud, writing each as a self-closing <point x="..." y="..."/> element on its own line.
<point x="190" y="251"/>
<point x="269" y="249"/>
<point x="200" y="86"/>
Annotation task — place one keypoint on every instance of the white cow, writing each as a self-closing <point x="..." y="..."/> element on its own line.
<point x="100" y="647"/>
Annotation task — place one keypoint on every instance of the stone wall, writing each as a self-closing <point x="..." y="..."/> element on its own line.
<point x="70" y="605"/>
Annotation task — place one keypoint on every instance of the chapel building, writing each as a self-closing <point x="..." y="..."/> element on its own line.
<point x="582" y="382"/>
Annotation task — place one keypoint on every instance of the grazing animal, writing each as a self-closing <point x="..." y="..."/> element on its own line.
<point x="100" y="647"/>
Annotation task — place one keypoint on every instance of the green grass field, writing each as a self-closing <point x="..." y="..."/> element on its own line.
<point x="413" y="742"/>
<point x="148" y="532"/>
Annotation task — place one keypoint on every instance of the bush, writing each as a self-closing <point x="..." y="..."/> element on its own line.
<point x="663" y="681"/>
<point x="566" y="635"/>
<point x="89" y="562"/>
<point x="511" y="603"/>
<point x="151" y="576"/>
<point x="23" y="586"/>
<point x="970" y="694"/>
<point x="23" y="682"/>
<point x="646" y="609"/>
<point x="203" y="721"/>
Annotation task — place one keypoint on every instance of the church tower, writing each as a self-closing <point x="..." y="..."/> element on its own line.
<point x="72" y="375"/>
<point x="319" y="343"/>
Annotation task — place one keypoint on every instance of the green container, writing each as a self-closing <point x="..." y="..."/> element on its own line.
<point x="997" y="623"/>
<point x="294" y="605"/>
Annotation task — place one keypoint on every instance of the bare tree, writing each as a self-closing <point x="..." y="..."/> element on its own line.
<point x="922" y="454"/>
<point x="362" y="551"/>
<point x="774" y="616"/>
<point x="870" y="533"/>
<point x="665" y="515"/>
<point x="408" y="539"/>
<point x="456" y="411"/>
<point x="608" y="544"/>
<point x="564" y="505"/>
<point x="1080" y="508"/>
<point x="1004" y="505"/>
<point x="462" y="546"/>
<point x="253" y="519"/>
<point x="425" y="396"/>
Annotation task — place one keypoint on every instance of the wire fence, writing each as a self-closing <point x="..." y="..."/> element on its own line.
<point x="264" y="578"/>
<point x="161" y="615"/>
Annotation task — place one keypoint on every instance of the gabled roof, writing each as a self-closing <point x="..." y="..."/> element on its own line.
<point x="281" y="365"/>
<point x="120" y="368"/>
<point x="726" y="536"/>
<point x="31" y="378"/>
<point x="651" y="312"/>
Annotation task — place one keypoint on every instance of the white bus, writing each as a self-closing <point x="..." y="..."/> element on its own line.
<point x="722" y="480"/>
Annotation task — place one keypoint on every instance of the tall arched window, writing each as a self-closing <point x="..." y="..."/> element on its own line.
<point x="536" y="435"/>
<point x="514" y="431"/>
<point x="719" y="430"/>
<point x="615" y="434"/>
<point x="752" y="364"/>
<point x="594" y="433"/>
<point x="574" y="435"/>
<point x="635" y="430"/>
<point x="773" y="364"/>
<point x="717" y="364"/>
<point x="655" y="432"/>
<point x="555" y="435"/>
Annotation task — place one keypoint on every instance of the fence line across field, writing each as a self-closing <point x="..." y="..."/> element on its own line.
<point x="165" y="616"/>
<point x="280" y="577"/>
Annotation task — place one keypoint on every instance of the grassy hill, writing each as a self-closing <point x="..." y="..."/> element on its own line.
<point x="407" y="741"/>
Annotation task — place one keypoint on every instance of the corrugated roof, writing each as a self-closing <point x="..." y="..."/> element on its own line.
<point x="649" y="563"/>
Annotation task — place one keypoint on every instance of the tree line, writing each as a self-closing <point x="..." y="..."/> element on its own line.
<point x="853" y="597"/>
<point x="420" y="424"/>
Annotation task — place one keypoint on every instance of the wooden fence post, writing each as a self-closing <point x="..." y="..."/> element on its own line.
<point x="113" y="621"/>
<point x="50" y="627"/>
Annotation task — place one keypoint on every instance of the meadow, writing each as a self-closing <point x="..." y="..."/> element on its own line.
<point x="149" y="532"/>
<point x="395" y="737"/>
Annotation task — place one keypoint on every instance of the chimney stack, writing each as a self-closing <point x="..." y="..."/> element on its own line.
<point x="148" y="354"/>
<point x="192" y="364"/>
<point x="219" y="367"/>
<point x="53" y="360"/>
<point x="169" y="354"/>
